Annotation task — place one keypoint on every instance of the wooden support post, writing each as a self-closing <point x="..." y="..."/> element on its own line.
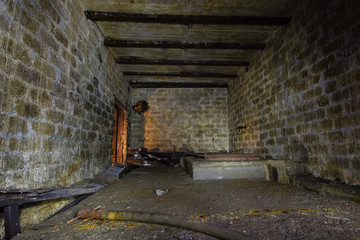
<point x="11" y="214"/>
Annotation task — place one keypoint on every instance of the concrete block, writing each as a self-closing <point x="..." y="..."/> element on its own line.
<point x="205" y="170"/>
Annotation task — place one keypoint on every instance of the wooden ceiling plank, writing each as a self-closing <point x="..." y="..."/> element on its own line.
<point x="180" y="62"/>
<point x="182" y="45"/>
<point x="178" y="85"/>
<point x="181" y="74"/>
<point x="185" y="19"/>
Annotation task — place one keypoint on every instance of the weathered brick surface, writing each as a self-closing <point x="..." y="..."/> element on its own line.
<point x="56" y="97"/>
<point x="187" y="120"/>
<point x="300" y="98"/>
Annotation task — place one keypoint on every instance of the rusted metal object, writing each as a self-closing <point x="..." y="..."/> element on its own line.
<point x="177" y="85"/>
<point x="185" y="19"/>
<point x="181" y="74"/>
<point x="233" y="157"/>
<point x="182" y="45"/>
<point x="180" y="62"/>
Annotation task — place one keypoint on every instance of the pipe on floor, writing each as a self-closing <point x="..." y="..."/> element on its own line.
<point x="163" y="219"/>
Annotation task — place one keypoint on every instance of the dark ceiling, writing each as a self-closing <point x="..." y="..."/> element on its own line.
<point x="186" y="43"/>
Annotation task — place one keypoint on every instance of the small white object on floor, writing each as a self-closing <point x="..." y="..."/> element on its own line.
<point x="160" y="192"/>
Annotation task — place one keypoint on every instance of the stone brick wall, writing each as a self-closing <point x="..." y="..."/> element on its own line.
<point x="181" y="119"/>
<point x="56" y="96"/>
<point x="300" y="99"/>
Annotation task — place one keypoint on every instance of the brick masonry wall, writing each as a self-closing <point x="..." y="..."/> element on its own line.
<point x="56" y="98"/>
<point x="186" y="120"/>
<point x="300" y="99"/>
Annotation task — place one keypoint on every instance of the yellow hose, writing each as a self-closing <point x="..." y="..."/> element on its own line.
<point x="164" y="220"/>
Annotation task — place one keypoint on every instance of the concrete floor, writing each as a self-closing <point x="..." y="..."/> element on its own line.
<point x="262" y="209"/>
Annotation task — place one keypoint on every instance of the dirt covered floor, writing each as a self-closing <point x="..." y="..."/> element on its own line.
<point x="262" y="209"/>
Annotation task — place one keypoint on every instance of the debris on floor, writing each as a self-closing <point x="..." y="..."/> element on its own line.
<point x="160" y="192"/>
<point x="264" y="209"/>
<point x="141" y="157"/>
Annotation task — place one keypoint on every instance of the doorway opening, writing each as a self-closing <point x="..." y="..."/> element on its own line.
<point x="119" y="141"/>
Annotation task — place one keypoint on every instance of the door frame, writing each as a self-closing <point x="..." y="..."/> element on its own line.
<point x="120" y="133"/>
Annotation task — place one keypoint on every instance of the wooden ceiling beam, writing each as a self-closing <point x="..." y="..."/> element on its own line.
<point x="182" y="45"/>
<point x="185" y="19"/>
<point x="181" y="74"/>
<point x="135" y="61"/>
<point x="177" y="85"/>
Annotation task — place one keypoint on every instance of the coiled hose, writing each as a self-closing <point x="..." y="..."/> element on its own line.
<point x="163" y="219"/>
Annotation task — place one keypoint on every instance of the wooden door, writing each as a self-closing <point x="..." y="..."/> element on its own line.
<point x="119" y="142"/>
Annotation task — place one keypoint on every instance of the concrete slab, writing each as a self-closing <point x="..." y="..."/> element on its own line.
<point x="208" y="170"/>
<point x="272" y="170"/>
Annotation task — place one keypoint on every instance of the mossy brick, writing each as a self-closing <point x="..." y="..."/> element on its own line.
<point x="4" y="24"/>
<point x="340" y="95"/>
<point x="28" y="75"/>
<point x="320" y="66"/>
<point x="322" y="100"/>
<point x="300" y="86"/>
<point x="6" y="103"/>
<point x="334" y="111"/>
<point x="335" y="70"/>
<point x="47" y="7"/>
<point x="24" y="144"/>
<point x="66" y="132"/>
<point x="3" y="143"/>
<point x="12" y="162"/>
<point x="88" y="106"/>
<point x="48" y="70"/>
<point x="27" y="110"/>
<point x="32" y="43"/>
<point x="331" y="86"/>
<point x="61" y="38"/>
<point x="74" y="76"/>
<point x="66" y="81"/>
<point x="3" y="61"/>
<point x="40" y="97"/>
<point x="270" y="142"/>
<point x="59" y="91"/>
<point x="323" y="125"/>
<point x="310" y="116"/>
<point x="345" y="121"/>
<point x="351" y="78"/>
<point x="8" y="45"/>
<point x="310" y="139"/>
<point x="93" y="99"/>
<point x="60" y="104"/>
<point x="90" y="88"/>
<point x="14" y="125"/>
<point x="42" y="128"/>
<point x="51" y="144"/>
<point x="17" y="88"/>
<point x="54" y="116"/>
<point x="48" y="40"/>
<point x="311" y="93"/>
<point x="26" y="20"/>
<point x="21" y="54"/>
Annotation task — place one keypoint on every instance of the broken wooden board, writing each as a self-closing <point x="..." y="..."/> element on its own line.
<point x="7" y="199"/>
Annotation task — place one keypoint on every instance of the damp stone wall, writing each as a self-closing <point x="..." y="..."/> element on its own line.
<point x="181" y="119"/>
<point x="57" y="87"/>
<point x="300" y="98"/>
